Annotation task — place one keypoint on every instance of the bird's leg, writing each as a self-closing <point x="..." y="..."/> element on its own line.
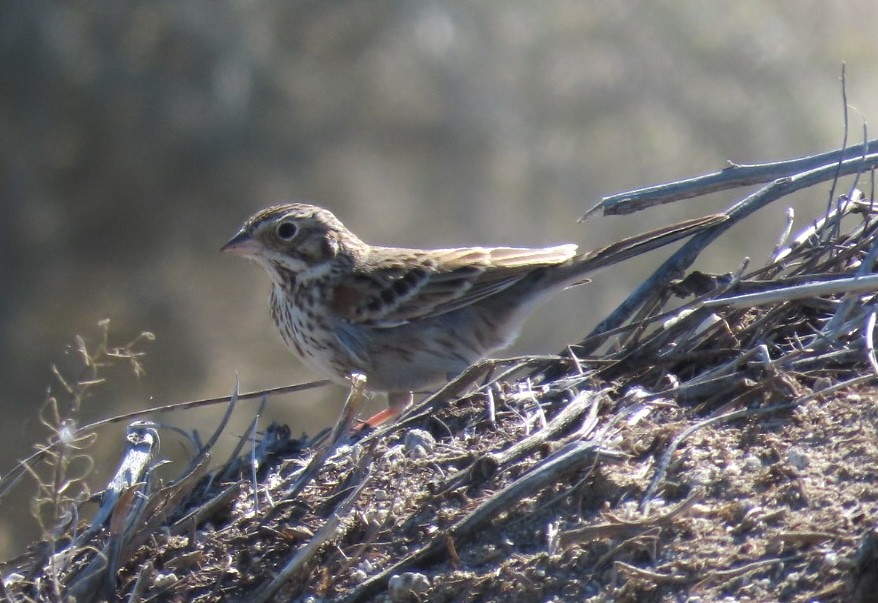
<point x="396" y="403"/>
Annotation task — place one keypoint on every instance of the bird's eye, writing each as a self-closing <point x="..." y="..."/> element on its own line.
<point x="286" y="230"/>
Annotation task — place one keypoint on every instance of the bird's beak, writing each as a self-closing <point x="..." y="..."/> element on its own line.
<point x="241" y="244"/>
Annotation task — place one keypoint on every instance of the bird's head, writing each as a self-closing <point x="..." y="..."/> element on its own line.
<point x="297" y="238"/>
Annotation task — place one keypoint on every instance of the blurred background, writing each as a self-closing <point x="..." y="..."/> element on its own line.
<point x="136" y="137"/>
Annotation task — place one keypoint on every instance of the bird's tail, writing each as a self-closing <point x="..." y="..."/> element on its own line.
<point x="592" y="261"/>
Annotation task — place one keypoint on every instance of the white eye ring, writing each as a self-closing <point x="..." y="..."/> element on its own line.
<point x="287" y="230"/>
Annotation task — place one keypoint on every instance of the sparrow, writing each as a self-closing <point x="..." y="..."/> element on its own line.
<point x="409" y="319"/>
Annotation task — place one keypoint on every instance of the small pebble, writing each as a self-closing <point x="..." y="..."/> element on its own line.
<point x="797" y="458"/>
<point x="752" y="463"/>
<point x="407" y="587"/>
<point x="165" y="580"/>
<point x="419" y="443"/>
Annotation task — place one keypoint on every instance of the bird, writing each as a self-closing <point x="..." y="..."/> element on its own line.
<point x="409" y="319"/>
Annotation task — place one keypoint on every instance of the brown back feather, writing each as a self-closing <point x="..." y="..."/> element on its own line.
<point x="401" y="287"/>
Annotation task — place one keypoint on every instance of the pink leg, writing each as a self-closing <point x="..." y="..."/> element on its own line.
<point x="396" y="403"/>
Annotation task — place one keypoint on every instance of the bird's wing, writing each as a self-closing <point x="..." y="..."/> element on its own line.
<point x="399" y="286"/>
